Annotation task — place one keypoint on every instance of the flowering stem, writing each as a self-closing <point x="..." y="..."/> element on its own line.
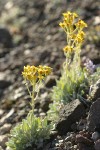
<point x="28" y="89"/>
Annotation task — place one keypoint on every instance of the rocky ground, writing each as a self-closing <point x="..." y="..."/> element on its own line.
<point x="30" y="34"/>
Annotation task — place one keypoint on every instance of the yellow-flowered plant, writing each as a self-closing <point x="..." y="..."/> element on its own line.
<point x="35" y="76"/>
<point x="32" y="130"/>
<point x="73" y="81"/>
<point x="73" y="28"/>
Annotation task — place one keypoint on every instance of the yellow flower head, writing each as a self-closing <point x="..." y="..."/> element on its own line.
<point x="69" y="14"/>
<point x="68" y="49"/>
<point x="81" y="24"/>
<point x="74" y="30"/>
<point x="79" y="39"/>
<point x="33" y="74"/>
<point x="62" y="24"/>
<point x="69" y="17"/>
<point x="29" y="73"/>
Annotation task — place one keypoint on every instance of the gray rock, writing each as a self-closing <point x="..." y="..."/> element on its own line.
<point x="4" y="80"/>
<point x="5" y="128"/>
<point x="69" y="114"/>
<point x="5" y="37"/>
<point x="8" y="115"/>
<point x="51" y="81"/>
<point x="82" y="139"/>
<point x="95" y="91"/>
<point x="1" y="112"/>
<point x="97" y="145"/>
<point x="83" y="142"/>
<point x="3" y="140"/>
<point x="94" y="115"/>
<point x="4" y="84"/>
<point x="44" y="102"/>
<point x="95" y="136"/>
<point x="82" y="146"/>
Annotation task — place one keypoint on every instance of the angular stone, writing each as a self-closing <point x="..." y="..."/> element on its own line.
<point x="97" y="145"/>
<point x="95" y="90"/>
<point x="82" y="146"/>
<point x="95" y="136"/>
<point x="45" y="104"/>
<point x="3" y="140"/>
<point x="4" y="84"/>
<point x="5" y="128"/>
<point x="8" y="115"/>
<point x="69" y="114"/>
<point x="51" y="81"/>
<point x="83" y="139"/>
<point x="94" y="115"/>
<point x="5" y="37"/>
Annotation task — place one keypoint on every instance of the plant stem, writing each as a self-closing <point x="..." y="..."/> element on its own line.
<point x="32" y="101"/>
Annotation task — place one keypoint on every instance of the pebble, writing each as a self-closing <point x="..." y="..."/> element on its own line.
<point x="42" y="114"/>
<point x="9" y="114"/>
<point x="3" y="140"/>
<point x="1" y="112"/>
<point x="97" y="145"/>
<point x="50" y="81"/>
<point x="5" y="128"/>
<point x="68" y="138"/>
<point x="75" y="146"/>
<point x="82" y="146"/>
<point x="82" y="139"/>
<point x="60" y="141"/>
<point x="95" y="136"/>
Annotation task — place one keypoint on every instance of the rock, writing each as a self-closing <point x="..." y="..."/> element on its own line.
<point x="45" y="104"/>
<point x="82" y="146"/>
<point x="5" y="37"/>
<point x="18" y="93"/>
<point x="97" y="128"/>
<point x="1" y="148"/>
<point x="42" y="114"/>
<point x="4" y="81"/>
<point x="81" y="124"/>
<point x="51" y="81"/>
<point x="83" y="142"/>
<point x="97" y="20"/>
<point x="1" y="112"/>
<point x="82" y="139"/>
<point x="95" y="91"/>
<point x="3" y="140"/>
<point x="94" y="115"/>
<point x="69" y="114"/>
<point x="74" y="127"/>
<point x="71" y="137"/>
<point x="4" y="84"/>
<point x="95" y="136"/>
<point x="45" y="101"/>
<point x="5" y="128"/>
<point x="8" y="115"/>
<point x="97" y="145"/>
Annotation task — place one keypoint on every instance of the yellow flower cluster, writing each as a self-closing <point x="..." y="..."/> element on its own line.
<point x="68" y="48"/>
<point x="68" y="19"/>
<point x="33" y="74"/>
<point x="81" y="24"/>
<point x="74" y="30"/>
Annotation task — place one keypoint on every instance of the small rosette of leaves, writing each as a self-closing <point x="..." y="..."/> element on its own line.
<point x="29" y="133"/>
